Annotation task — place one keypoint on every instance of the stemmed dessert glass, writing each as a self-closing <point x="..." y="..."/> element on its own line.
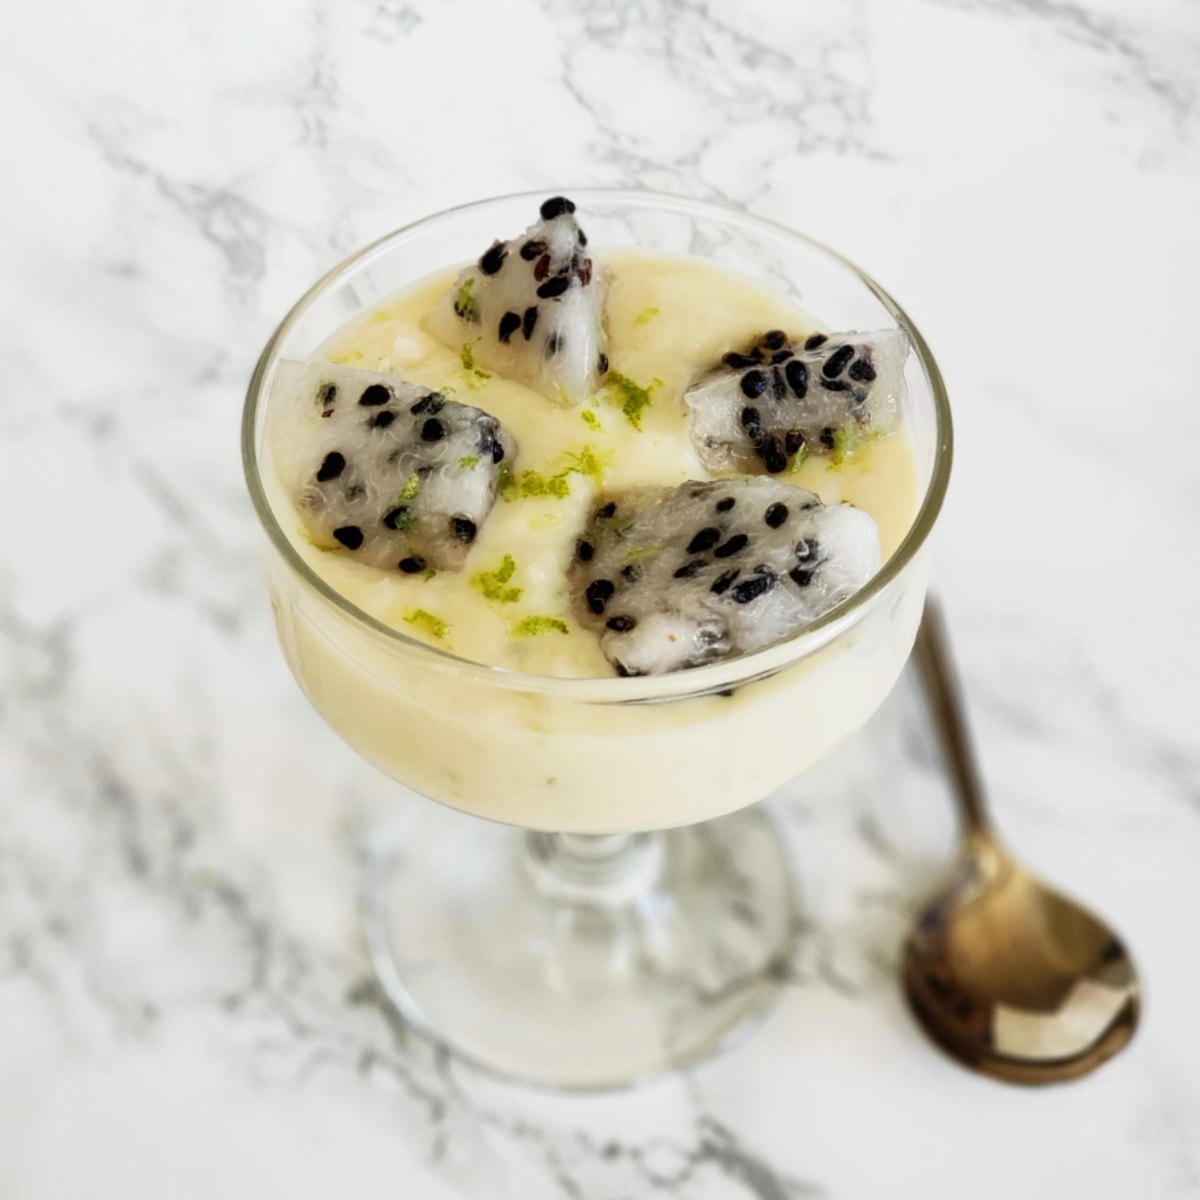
<point x="616" y="916"/>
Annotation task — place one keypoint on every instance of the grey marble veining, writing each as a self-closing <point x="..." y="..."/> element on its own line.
<point x="185" y="1003"/>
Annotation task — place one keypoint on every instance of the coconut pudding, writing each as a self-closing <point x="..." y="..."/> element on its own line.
<point x="569" y="466"/>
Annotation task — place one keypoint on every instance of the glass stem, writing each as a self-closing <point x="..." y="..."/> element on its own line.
<point x="597" y="869"/>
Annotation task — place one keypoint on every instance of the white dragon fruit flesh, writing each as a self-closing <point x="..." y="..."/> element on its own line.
<point x="532" y="309"/>
<point x="678" y="577"/>
<point x="398" y="475"/>
<point x="758" y="408"/>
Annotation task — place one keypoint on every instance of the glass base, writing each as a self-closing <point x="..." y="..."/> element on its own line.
<point x="579" y="962"/>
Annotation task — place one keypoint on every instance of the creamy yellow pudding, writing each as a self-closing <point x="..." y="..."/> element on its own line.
<point x="541" y="754"/>
<point x="667" y="319"/>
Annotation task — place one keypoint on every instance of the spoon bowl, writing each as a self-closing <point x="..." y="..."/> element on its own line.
<point x="1008" y="976"/>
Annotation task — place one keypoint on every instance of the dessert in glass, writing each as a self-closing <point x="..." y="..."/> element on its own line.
<point x="602" y="536"/>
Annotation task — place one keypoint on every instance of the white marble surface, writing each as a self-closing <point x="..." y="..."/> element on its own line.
<point x="185" y="1009"/>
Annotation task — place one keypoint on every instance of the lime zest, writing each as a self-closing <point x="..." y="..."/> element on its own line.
<point x="646" y="316"/>
<point x="586" y="462"/>
<point x="469" y="462"/>
<point x="346" y="356"/>
<point x="534" y="626"/>
<point x="590" y="419"/>
<point x="412" y="485"/>
<point x="473" y="377"/>
<point x="404" y="519"/>
<point x="849" y="440"/>
<point x="423" y="619"/>
<point x="643" y="552"/>
<point x="800" y="459"/>
<point x="492" y="583"/>
<point x="464" y="302"/>
<point x="532" y="485"/>
<point x="634" y="398"/>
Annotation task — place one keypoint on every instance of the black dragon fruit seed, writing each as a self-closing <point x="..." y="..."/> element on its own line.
<point x="374" y="396"/>
<point x="555" y="207"/>
<point x="773" y="456"/>
<point x="463" y="528"/>
<point x="735" y="545"/>
<point x="817" y="340"/>
<point x="723" y="583"/>
<point x="598" y="594"/>
<point x="775" y="515"/>
<point x="754" y="383"/>
<point x="706" y="539"/>
<point x="740" y="361"/>
<point x="381" y="420"/>
<point x="554" y="287"/>
<point x="331" y="467"/>
<point x="796" y="374"/>
<point x="837" y="362"/>
<point x="433" y="430"/>
<point x="509" y="324"/>
<point x="350" y="536"/>
<point x="493" y="259"/>
<point x="751" y="589"/>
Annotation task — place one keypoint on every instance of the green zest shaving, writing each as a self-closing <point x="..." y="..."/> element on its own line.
<point x="643" y="552"/>
<point x="423" y="619"/>
<point x="590" y="419"/>
<point x="800" y="459"/>
<point x="848" y="441"/>
<point x="586" y="462"/>
<point x="491" y="583"/>
<point x="533" y="626"/>
<point x="412" y="485"/>
<point x="634" y="398"/>
<point x="645" y="316"/>
<point x="404" y="520"/>
<point x="469" y="463"/>
<point x="350" y="356"/>
<point x="472" y="375"/>
<point x="534" y="484"/>
<point x="464" y="302"/>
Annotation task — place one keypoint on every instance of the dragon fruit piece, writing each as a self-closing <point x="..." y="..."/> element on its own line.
<point x="759" y="407"/>
<point x="532" y="309"/>
<point x="398" y="475"/>
<point x="678" y="577"/>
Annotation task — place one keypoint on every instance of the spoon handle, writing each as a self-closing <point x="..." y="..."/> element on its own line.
<point x="949" y="716"/>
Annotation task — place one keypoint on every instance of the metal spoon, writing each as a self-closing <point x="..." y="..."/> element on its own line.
<point x="1012" y="979"/>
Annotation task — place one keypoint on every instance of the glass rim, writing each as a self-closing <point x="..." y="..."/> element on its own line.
<point x="633" y="689"/>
